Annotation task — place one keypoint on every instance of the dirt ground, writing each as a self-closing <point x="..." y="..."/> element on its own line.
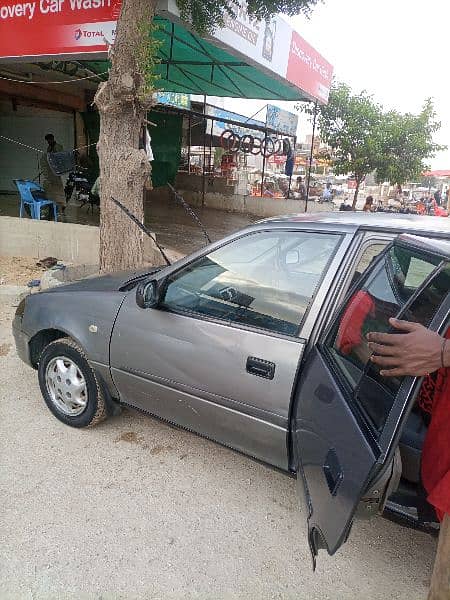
<point x="19" y="270"/>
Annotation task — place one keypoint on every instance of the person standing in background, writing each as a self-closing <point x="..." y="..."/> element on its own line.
<point x="368" y="206"/>
<point x="52" y="184"/>
<point x="301" y="188"/>
<point x="327" y="194"/>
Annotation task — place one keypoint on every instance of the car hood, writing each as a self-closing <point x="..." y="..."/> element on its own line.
<point x="113" y="282"/>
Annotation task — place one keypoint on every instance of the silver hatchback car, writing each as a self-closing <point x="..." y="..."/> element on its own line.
<point x="243" y="342"/>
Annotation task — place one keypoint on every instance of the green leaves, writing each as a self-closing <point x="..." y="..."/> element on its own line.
<point x="348" y="124"/>
<point x="407" y="142"/>
<point x="207" y="15"/>
<point x="364" y="138"/>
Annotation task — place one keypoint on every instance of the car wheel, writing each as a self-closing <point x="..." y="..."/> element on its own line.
<point x="69" y="385"/>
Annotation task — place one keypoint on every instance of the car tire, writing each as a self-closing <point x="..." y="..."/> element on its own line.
<point x="69" y="385"/>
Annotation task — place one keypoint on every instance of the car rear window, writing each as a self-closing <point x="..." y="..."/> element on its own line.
<point x="384" y="293"/>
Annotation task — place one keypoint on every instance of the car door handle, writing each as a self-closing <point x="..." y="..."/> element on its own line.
<point x="333" y="471"/>
<point x="260" y="367"/>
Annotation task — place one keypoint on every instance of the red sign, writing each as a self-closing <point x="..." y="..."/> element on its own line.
<point x="277" y="159"/>
<point x="308" y="69"/>
<point x="54" y="27"/>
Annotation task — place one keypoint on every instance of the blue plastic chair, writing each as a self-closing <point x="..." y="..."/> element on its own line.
<point x="25" y="188"/>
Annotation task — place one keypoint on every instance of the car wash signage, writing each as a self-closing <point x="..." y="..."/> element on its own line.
<point x="55" y="27"/>
<point x="271" y="45"/>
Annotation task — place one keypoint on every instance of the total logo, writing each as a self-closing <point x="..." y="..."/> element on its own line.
<point x="88" y="33"/>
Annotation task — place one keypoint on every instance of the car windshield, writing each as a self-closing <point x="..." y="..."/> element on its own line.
<point x="264" y="280"/>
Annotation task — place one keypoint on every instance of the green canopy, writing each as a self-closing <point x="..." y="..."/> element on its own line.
<point x="191" y="64"/>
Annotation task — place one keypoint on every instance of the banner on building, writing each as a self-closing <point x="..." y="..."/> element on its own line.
<point x="173" y="99"/>
<point x="276" y="46"/>
<point x="281" y="120"/>
<point x="223" y="117"/>
<point x="54" y="27"/>
<point x="38" y="28"/>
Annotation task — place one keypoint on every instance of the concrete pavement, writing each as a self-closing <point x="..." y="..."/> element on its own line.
<point x="134" y="509"/>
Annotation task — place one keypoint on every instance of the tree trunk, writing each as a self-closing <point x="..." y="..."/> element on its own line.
<point x="355" y="195"/>
<point x="440" y="580"/>
<point x="123" y="167"/>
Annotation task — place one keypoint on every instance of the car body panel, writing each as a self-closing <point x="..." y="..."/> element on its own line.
<point x="161" y="362"/>
<point x="335" y="460"/>
<point x="262" y="439"/>
<point x="86" y="316"/>
<point x="418" y="225"/>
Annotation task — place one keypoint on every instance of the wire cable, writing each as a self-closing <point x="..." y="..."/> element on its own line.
<point x="189" y="210"/>
<point x="54" y="82"/>
<point x="8" y="139"/>
<point x="141" y="227"/>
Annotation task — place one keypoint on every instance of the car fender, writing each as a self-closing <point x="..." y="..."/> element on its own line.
<point x="87" y="317"/>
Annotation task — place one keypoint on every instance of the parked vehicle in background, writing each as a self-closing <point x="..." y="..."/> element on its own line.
<point x="243" y="342"/>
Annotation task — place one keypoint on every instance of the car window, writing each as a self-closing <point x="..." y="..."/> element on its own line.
<point x="368" y="255"/>
<point x="265" y="280"/>
<point x="381" y="295"/>
<point x="376" y="405"/>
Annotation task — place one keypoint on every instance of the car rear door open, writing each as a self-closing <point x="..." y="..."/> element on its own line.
<point x="346" y="417"/>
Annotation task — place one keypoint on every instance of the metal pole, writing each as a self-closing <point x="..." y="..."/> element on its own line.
<point x="204" y="151"/>
<point x="189" y="143"/>
<point x="311" y="156"/>
<point x="210" y="148"/>
<point x="264" y="163"/>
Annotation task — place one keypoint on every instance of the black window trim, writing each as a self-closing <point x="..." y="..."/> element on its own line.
<point x="348" y="392"/>
<point x="294" y="337"/>
<point x="411" y="385"/>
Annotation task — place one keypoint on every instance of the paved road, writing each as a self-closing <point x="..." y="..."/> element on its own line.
<point x="134" y="509"/>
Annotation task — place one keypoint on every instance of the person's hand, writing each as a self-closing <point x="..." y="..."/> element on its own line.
<point x="416" y="351"/>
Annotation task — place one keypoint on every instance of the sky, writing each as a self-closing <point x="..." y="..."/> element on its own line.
<point x="397" y="50"/>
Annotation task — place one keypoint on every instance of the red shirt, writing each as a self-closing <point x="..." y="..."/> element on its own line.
<point x="436" y="449"/>
<point x="350" y="334"/>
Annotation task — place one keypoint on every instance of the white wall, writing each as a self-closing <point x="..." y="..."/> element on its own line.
<point x="29" y="125"/>
<point x="76" y="244"/>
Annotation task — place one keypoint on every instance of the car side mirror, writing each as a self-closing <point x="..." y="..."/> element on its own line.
<point x="147" y="294"/>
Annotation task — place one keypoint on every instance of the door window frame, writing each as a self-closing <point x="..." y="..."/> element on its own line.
<point x="395" y="416"/>
<point x="347" y="391"/>
<point x="343" y="241"/>
<point x="342" y="282"/>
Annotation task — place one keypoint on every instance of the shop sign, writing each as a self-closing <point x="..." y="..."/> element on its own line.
<point x="281" y="120"/>
<point x="55" y="27"/>
<point x="222" y="123"/>
<point x="276" y="46"/>
<point x="36" y="28"/>
<point x="173" y="99"/>
<point x="277" y="159"/>
<point x="308" y="70"/>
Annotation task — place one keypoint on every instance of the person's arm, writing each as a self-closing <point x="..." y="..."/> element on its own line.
<point x="417" y="351"/>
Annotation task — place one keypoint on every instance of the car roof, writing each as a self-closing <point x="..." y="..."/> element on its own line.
<point x="436" y="246"/>
<point x="352" y="221"/>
